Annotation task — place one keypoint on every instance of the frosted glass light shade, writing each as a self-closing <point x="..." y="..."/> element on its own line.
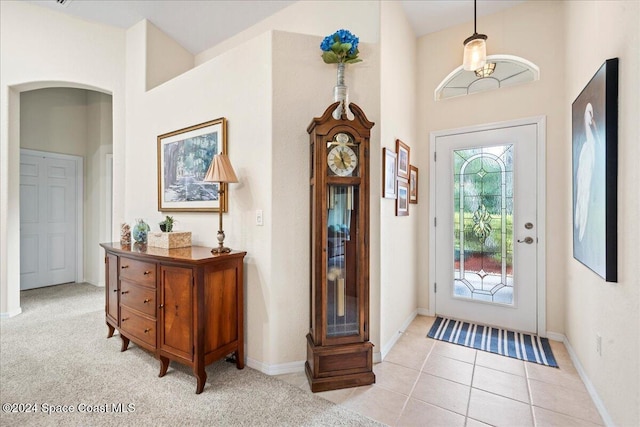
<point x="475" y="52"/>
<point x="220" y="170"/>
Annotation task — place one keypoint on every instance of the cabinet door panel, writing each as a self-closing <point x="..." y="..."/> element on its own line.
<point x="177" y="311"/>
<point x="112" y="288"/>
<point x="220" y="308"/>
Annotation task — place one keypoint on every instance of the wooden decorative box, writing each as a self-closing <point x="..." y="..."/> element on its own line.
<point x="175" y="239"/>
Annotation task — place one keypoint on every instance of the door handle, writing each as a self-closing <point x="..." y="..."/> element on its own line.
<point x="527" y="240"/>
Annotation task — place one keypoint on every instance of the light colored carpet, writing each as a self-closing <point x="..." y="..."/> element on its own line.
<point x="57" y="353"/>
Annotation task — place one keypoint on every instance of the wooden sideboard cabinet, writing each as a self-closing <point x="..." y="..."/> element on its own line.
<point x="182" y="304"/>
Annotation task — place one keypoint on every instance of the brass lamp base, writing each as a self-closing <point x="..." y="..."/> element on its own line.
<point x="221" y="249"/>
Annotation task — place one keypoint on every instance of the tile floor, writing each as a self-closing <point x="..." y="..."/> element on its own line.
<point x="424" y="382"/>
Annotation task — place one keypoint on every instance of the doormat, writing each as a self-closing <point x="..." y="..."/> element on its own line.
<point x="530" y="348"/>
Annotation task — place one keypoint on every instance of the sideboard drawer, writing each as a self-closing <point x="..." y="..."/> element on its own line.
<point x="138" y="326"/>
<point x="138" y="271"/>
<point x="138" y="297"/>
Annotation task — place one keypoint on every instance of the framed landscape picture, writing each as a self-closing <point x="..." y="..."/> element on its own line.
<point x="389" y="174"/>
<point x="403" y="152"/>
<point x="183" y="159"/>
<point x="402" y="202"/>
<point x="595" y="172"/>
<point x="413" y="185"/>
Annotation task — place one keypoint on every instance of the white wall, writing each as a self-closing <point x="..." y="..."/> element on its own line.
<point x="509" y="32"/>
<point x="41" y="48"/>
<point x="398" y="234"/>
<point x="596" y="31"/>
<point x="54" y="120"/>
<point x="99" y="145"/>
<point x="317" y="17"/>
<point x="166" y="59"/>
<point x="77" y="122"/>
<point x="302" y="90"/>
<point x="235" y="85"/>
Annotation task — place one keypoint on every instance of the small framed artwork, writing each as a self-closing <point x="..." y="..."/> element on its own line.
<point x="389" y="174"/>
<point x="402" y="202"/>
<point x="403" y="151"/>
<point x="183" y="159"/>
<point x="413" y="185"/>
<point x="594" y="129"/>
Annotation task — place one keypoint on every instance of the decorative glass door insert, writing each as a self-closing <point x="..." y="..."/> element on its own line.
<point x="483" y="224"/>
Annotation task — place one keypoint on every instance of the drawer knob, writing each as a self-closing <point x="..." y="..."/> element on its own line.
<point x="161" y="306"/>
<point x="146" y="273"/>
<point x="115" y="290"/>
<point x="124" y="266"/>
<point x="125" y="292"/>
<point x="146" y="300"/>
<point x="146" y="331"/>
<point x="125" y="318"/>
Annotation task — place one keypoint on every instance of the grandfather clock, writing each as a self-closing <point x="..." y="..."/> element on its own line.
<point x="339" y="353"/>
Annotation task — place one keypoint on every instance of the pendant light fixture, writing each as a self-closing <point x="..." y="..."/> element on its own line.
<point x="475" y="48"/>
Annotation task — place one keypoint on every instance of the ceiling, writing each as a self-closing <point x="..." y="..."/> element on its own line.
<point x="200" y="24"/>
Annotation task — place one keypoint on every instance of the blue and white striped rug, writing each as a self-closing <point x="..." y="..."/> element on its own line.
<point x="521" y="346"/>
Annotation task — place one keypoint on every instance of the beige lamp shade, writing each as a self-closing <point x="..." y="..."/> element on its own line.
<point x="220" y="170"/>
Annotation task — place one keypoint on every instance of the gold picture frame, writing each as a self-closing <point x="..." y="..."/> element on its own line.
<point x="184" y="156"/>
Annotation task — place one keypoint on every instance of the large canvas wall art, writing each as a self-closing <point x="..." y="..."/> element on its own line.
<point x="595" y="171"/>
<point x="183" y="159"/>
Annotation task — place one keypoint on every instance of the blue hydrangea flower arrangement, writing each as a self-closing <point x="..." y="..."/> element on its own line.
<point x="340" y="47"/>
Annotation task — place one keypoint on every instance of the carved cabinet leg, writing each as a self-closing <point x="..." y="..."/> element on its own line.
<point x="125" y="342"/>
<point x="201" y="375"/>
<point x="164" y="365"/>
<point x="239" y="359"/>
<point x="111" y="330"/>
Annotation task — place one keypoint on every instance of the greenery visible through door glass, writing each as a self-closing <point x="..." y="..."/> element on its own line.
<point x="483" y="223"/>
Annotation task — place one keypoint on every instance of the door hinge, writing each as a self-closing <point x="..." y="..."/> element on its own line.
<point x="435" y="287"/>
<point x="435" y="221"/>
<point x="435" y="156"/>
<point x="193" y="350"/>
<point x="193" y="281"/>
<point x="106" y="259"/>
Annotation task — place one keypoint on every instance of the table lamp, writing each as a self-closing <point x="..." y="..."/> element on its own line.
<point x="220" y="171"/>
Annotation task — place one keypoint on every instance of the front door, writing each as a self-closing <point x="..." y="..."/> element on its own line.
<point x="47" y="220"/>
<point x="486" y="226"/>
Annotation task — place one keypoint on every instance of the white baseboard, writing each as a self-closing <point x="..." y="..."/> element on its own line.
<point x="280" y="368"/>
<point x="425" y="312"/>
<point x="386" y="348"/>
<point x="602" y="410"/>
<point x="11" y="313"/>
<point x="555" y="336"/>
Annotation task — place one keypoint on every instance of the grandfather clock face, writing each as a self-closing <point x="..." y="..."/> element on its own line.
<point x="342" y="236"/>
<point x="342" y="156"/>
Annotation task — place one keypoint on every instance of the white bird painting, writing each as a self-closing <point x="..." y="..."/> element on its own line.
<point x="586" y="162"/>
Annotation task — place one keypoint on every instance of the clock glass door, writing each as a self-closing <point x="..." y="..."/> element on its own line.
<point x="342" y="275"/>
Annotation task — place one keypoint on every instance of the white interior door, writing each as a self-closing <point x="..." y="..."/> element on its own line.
<point x="47" y="220"/>
<point x="486" y="226"/>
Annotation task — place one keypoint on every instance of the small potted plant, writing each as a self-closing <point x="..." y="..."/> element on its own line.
<point x="167" y="224"/>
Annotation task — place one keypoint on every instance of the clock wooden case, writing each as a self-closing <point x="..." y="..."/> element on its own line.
<point x="339" y="353"/>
